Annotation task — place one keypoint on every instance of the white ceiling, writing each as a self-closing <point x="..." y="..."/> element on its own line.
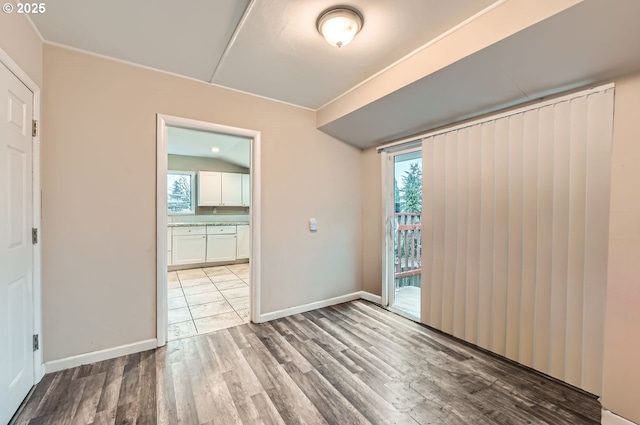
<point x="272" y="48"/>
<point x="277" y="51"/>
<point x="233" y="149"/>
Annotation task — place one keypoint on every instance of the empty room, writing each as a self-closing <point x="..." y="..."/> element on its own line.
<point x="318" y="212"/>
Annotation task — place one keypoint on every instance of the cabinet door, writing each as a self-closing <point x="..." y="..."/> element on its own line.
<point x="221" y="248"/>
<point x="169" y="246"/>
<point x="231" y="189"/>
<point x="242" y="249"/>
<point x="209" y="188"/>
<point x="188" y="249"/>
<point x="246" y="191"/>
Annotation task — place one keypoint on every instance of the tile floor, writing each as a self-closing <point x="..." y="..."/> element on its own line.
<point x="207" y="299"/>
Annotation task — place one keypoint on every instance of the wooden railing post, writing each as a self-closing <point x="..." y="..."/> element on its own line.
<point x="408" y="235"/>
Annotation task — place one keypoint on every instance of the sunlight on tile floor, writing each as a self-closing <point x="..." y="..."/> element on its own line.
<point x="207" y="299"/>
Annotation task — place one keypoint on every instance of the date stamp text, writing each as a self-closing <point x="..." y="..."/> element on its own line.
<point x="24" y="8"/>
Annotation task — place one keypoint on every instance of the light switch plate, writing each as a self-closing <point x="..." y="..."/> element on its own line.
<point x="313" y="225"/>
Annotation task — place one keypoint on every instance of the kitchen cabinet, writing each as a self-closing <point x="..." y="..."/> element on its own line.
<point x="219" y="189"/>
<point x="189" y="245"/>
<point x="246" y="191"/>
<point x="221" y="243"/>
<point x="169" y="243"/>
<point x="231" y="189"/>
<point x="209" y="188"/>
<point x="242" y="241"/>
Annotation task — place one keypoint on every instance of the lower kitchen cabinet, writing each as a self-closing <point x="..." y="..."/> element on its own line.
<point x="242" y="247"/>
<point x="189" y="245"/>
<point x="221" y="247"/>
<point x="169" y="246"/>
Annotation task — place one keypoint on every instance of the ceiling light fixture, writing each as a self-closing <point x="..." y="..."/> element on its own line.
<point x="215" y="150"/>
<point x="339" y="25"/>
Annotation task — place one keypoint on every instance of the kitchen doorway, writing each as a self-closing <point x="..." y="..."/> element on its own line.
<point x="207" y="227"/>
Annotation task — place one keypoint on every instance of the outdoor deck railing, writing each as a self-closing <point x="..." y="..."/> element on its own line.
<point x="408" y="236"/>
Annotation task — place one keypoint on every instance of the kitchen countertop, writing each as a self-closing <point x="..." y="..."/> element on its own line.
<point x="208" y="223"/>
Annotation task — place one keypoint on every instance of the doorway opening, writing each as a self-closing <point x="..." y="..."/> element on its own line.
<point x="404" y="240"/>
<point x="207" y="191"/>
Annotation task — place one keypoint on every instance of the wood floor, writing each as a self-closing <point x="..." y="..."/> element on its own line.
<point x="353" y="363"/>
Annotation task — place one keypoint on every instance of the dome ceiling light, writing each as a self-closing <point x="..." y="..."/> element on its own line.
<point x="339" y="25"/>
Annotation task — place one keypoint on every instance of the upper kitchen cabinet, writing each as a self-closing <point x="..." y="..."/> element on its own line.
<point x="220" y="189"/>
<point x="231" y="189"/>
<point x="246" y="193"/>
<point x="209" y="188"/>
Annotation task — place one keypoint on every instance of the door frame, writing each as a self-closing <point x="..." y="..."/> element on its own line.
<point x="38" y="363"/>
<point x="162" y="322"/>
<point x="387" y="156"/>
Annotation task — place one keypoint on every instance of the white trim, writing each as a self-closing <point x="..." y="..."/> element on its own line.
<point x="388" y="210"/>
<point x="233" y="38"/>
<point x="173" y="74"/>
<point x="610" y="418"/>
<point x="384" y="163"/>
<point x="162" y="290"/>
<point x="278" y="314"/>
<point x="546" y="101"/>
<point x="376" y="299"/>
<point x="38" y="366"/>
<point x="161" y="214"/>
<point x="101" y="355"/>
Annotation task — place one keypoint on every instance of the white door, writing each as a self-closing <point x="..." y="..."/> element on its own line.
<point x="16" y="254"/>
<point x="404" y="237"/>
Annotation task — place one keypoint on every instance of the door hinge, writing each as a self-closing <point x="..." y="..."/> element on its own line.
<point x="36" y="342"/>
<point x="34" y="236"/>
<point x="34" y="128"/>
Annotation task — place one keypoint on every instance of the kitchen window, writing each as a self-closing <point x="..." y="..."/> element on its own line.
<point x="180" y="192"/>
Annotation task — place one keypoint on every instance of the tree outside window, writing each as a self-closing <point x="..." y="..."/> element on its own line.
<point x="180" y="195"/>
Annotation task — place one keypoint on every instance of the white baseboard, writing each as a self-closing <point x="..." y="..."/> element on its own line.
<point x="98" y="356"/>
<point x="610" y="418"/>
<point x="320" y="304"/>
<point x="376" y="299"/>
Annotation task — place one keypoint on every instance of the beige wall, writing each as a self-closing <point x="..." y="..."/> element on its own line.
<point x="621" y="379"/>
<point x="197" y="163"/>
<point x="372" y="233"/>
<point x="99" y="149"/>
<point x="22" y="44"/>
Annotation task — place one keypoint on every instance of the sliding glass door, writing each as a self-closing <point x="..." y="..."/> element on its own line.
<point x="404" y="235"/>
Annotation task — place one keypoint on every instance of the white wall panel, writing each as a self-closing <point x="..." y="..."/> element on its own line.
<point x="500" y="237"/>
<point x="514" y="234"/>
<point x="460" y="291"/>
<point x="473" y="240"/>
<point x="451" y="229"/>
<point x="577" y="223"/>
<point x="487" y="181"/>
<point x="517" y="207"/>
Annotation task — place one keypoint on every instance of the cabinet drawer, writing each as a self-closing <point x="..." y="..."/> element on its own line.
<point x="221" y="230"/>
<point x="190" y="230"/>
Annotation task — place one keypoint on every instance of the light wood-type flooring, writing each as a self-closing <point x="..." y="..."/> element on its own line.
<point x="353" y="363"/>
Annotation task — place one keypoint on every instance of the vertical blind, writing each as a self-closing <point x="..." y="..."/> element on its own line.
<point x="515" y="234"/>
